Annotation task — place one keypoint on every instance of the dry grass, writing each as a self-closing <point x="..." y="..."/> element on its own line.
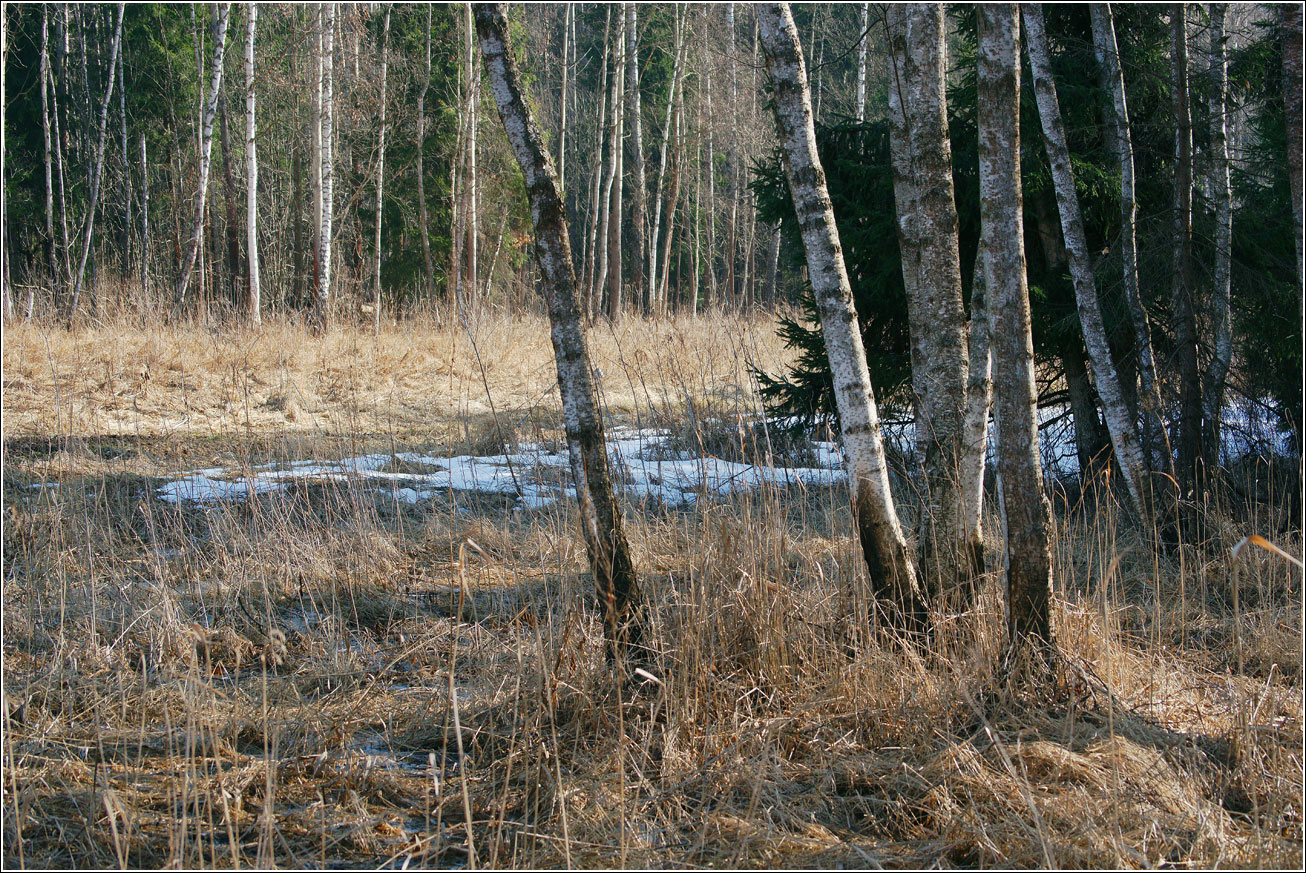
<point x="324" y="678"/>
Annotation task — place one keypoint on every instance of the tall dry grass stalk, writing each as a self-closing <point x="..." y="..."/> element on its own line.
<point x="326" y="676"/>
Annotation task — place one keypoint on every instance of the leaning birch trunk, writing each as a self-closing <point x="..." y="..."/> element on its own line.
<point x="601" y="521"/>
<point x="1029" y="556"/>
<point x="975" y="425"/>
<point x="88" y="225"/>
<point x="251" y="170"/>
<point x="935" y="313"/>
<point x="888" y="559"/>
<point x="206" y="152"/>
<point x="639" y="289"/>
<point x="1108" y="58"/>
<point x="1119" y="421"/>
<point x="1222" y="352"/>
<point x="380" y="177"/>
<point x="322" y="306"/>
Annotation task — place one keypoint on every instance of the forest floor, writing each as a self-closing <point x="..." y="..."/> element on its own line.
<point x="271" y="599"/>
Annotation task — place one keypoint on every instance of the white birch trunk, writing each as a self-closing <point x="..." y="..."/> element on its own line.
<point x="655" y="225"/>
<point x="601" y="519"/>
<point x="46" y="84"/>
<point x="380" y="175"/>
<point x="251" y="170"/>
<point x="640" y="291"/>
<point x="1028" y="517"/>
<point x="1119" y="420"/>
<point x="469" y="191"/>
<point x="88" y="226"/>
<point x="193" y="244"/>
<point x="323" y="302"/>
<point x="421" y="171"/>
<point x="861" y="63"/>
<point x="1108" y="58"/>
<point x="888" y="559"/>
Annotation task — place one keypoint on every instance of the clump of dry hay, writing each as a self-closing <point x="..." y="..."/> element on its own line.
<point x="311" y="679"/>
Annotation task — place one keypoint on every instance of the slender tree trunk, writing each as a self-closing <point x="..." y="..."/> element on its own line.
<point x="1222" y="352"/>
<point x="1029" y="555"/>
<point x="888" y="559"/>
<point x="975" y="426"/>
<point x="380" y="175"/>
<point x="125" y="262"/>
<point x="569" y="12"/>
<point x="861" y="62"/>
<point x="732" y="166"/>
<point x="1108" y="58"/>
<point x="473" y="93"/>
<point x="229" y="189"/>
<point x="936" y="314"/>
<point x="51" y="246"/>
<point x="88" y="226"/>
<point x="145" y="217"/>
<point x="672" y="199"/>
<point x="610" y="559"/>
<point x="1090" y="439"/>
<point x="1290" y="21"/>
<point x="616" y="210"/>
<point x="638" y="221"/>
<point x="1189" y="426"/>
<point x="251" y="170"/>
<point x="655" y="225"/>
<point x="709" y="122"/>
<point x="773" y="266"/>
<point x="591" y="281"/>
<point x="1119" y="419"/>
<point x="905" y="195"/>
<point x="421" y="172"/>
<point x="322" y="307"/>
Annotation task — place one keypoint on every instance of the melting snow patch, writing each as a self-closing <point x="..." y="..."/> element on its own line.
<point x="535" y="474"/>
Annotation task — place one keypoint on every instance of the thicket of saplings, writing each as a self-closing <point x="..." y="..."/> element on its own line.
<point x="326" y="675"/>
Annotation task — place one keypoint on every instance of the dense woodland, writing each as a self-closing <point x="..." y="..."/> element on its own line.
<point x="383" y="182"/>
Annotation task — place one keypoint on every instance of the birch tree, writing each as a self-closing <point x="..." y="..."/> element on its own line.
<point x="888" y="560"/>
<point x="1184" y="317"/>
<point x="251" y="169"/>
<point x="975" y="424"/>
<point x="1108" y="59"/>
<point x="935" y="314"/>
<point x="861" y="62"/>
<point x="421" y="171"/>
<point x="609" y="553"/>
<point x="1222" y="341"/>
<point x="639" y="290"/>
<point x="88" y="224"/>
<point x="1028" y="516"/>
<point x="678" y="43"/>
<point x="322" y="305"/>
<point x="206" y="153"/>
<point x="380" y="174"/>
<point x="1119" y="420"/>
